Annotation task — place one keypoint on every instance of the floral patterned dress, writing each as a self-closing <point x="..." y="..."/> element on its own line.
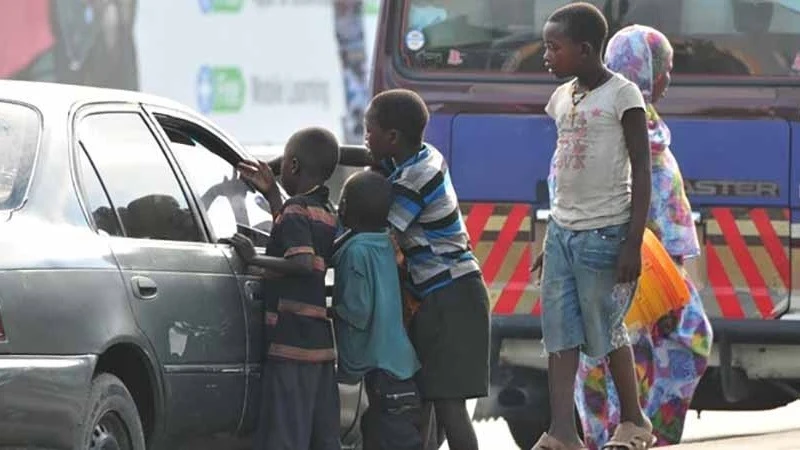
<point x="672" y="355"/>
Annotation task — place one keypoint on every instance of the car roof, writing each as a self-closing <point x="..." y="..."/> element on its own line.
<point x="58" y="97"/>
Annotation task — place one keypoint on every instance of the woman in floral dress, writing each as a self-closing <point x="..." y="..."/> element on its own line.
<point x="672" y="354"/>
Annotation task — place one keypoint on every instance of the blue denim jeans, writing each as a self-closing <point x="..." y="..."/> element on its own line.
<point x="583" y="306"/>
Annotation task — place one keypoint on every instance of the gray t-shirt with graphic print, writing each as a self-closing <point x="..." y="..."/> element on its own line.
<point x="590" y="173"/>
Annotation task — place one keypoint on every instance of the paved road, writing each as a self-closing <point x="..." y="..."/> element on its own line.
<point x="787" y="440"/>
<point x="777" y="429"/>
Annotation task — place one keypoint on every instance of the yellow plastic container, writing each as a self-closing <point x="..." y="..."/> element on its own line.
<point x="661" y="285"/>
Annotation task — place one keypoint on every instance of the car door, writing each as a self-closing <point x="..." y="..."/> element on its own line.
<point x="207" y="159"/>
<point x="183" y="292"/>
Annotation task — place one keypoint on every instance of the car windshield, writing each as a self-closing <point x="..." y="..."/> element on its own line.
<point x="19" y="136"/>
<point x="711" y="37"/>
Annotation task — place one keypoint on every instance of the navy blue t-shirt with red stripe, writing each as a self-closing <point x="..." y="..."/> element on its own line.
<point x="296" y="316"/>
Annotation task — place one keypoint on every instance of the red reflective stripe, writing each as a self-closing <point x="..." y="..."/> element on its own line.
<point x="772" y="243"/>
<point x="787" y="214"/>
<point x="478" y="217"/>
<point x="537" y="307"/>
<point x="509" y="298"/>
<point x="758" y="288"/>
<point x="504" y="240"/>
<point x="728" y="302"/>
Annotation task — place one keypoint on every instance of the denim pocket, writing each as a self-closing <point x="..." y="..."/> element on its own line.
<point x="601" y="247"/>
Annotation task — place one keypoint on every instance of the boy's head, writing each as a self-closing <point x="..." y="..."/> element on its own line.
<point x="395" y="121"/>
<point x="573" y="39"/>
<point x="365" y="203"/>
<point x="310" y="157"/>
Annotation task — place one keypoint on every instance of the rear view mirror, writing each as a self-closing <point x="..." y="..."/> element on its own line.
<point x="752" y="16"/>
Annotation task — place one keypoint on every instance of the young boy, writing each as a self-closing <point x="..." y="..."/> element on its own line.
<point x="372" y="341"/>
<point x="450" y="331"/>
<point x="600" y="193"/>
<point x="300" y="401"/>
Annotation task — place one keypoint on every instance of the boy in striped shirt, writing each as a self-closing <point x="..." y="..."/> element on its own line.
<point x="450" y="330"/>
<point x="300" y="400"/>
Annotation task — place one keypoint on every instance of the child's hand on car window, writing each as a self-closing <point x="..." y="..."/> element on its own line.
<point x="244" y="247"/>
<point x="258" y="174"/>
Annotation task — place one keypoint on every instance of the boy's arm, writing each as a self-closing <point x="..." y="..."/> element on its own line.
<point x="361" y="157"/>
<point x="293" y="265"/>
<point x="352" y="302"/>
<point x="300" y="264"/>
<point x="407" y="205"/>
<point x="634" y="126"/>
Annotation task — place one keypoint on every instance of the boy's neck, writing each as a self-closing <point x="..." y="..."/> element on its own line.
<point x="305" y="186"/>
<point x="593" y="76"/>
<point x="407" y="153"/>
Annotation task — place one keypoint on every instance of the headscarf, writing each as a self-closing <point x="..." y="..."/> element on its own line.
<point x="641" y="54"/>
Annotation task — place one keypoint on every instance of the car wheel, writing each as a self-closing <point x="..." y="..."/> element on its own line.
<point x="112" y="421"/>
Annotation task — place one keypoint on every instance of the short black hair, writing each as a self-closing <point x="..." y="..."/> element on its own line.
<point x="583" y="22"/>
<point x="368" y="198"/>
<point x="402" y="110"/>
<point x="317" y="150"/>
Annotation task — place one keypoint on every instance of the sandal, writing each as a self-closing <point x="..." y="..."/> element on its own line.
<point x="547" y="442"/>
<point x="631" y="437"/>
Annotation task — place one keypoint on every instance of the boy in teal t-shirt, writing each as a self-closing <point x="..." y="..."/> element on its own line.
<point x="372" y="341"/>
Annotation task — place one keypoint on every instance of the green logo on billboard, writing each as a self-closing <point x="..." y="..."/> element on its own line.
<point x="372" y="7"/>
<point x="220" y="89"/>
<point x="221" y="6"/>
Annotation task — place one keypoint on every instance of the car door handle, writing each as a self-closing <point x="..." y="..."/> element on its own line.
<point x="144" y="288"/>
<point x="250" y="290"/>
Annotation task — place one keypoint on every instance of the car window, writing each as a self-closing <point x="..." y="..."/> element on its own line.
<point x="97" y="202"/>
<point x="138" y="178"/>
<point x="19" y="136"/>
<point x="226" y="199"/>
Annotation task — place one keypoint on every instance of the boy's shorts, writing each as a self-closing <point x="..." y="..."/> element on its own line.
<point x="299" y="407"/>
<point x="393" y="420"/>
<point x="582" y="304"/>
<point x="450" y="333"/>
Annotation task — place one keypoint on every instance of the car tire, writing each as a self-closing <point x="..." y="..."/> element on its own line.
<point x="112" y="420"/>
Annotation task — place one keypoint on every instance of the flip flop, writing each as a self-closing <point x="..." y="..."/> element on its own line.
<point x="631" y="437"/>
<point x="547" y="442"/>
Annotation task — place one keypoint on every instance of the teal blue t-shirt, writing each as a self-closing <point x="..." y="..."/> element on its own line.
<point x="368" y="309"/>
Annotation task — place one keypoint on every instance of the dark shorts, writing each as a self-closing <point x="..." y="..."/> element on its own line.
<point x="450" y="333"/>
<point x="393" y="419"/>
<point x="299" y="407"/>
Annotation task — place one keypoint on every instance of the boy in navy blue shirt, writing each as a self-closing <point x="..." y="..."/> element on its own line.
<point x="372" y="340"/>
<point x="300" y="401"/>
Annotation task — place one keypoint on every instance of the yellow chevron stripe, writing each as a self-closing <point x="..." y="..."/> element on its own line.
<point x="748" y="228"/>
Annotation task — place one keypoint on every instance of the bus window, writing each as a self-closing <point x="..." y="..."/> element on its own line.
<point x="711" y="37"/>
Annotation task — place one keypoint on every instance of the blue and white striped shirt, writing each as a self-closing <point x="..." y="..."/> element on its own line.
<point x="428" y="222"/>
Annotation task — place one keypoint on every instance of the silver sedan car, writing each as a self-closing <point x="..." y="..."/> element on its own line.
<point x="125" y="321"/>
